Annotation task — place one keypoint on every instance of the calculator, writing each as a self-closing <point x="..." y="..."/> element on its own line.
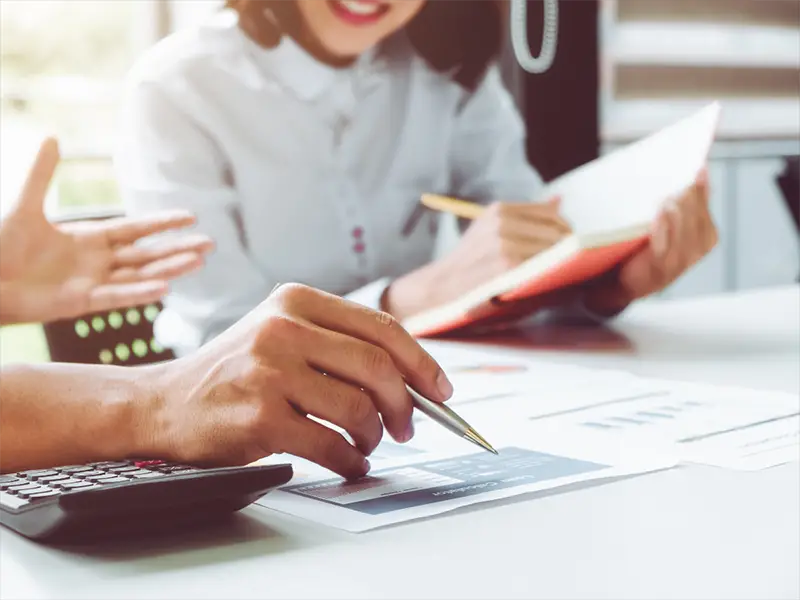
<point x="81" y="502"/>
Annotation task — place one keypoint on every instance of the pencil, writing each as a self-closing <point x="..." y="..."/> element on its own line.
<point x="459" y="208"/>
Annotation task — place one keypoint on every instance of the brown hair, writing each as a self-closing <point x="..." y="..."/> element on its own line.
<point x="458" y="37"/>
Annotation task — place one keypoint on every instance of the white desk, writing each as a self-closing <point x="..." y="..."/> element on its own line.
<point x="684" y="533"/>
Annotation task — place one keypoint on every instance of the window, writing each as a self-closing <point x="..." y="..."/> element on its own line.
<point x="662" y="58"/>
<point x="62" y="65"/>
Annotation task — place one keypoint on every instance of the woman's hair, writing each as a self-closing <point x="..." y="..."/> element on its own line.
<point x="458" y="37"/>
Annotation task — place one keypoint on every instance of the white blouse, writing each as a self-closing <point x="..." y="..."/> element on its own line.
<point x="302" y="172"/>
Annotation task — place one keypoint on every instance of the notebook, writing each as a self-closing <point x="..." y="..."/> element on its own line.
<point x="610" y="204"/>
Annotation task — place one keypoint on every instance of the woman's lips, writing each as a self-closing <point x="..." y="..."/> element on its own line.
<point x="358" y="12"/>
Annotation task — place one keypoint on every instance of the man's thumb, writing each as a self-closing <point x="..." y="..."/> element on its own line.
<point x="34" y="191"/>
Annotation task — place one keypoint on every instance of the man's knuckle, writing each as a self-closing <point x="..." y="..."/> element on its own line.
<point x="281" y="327"/>
<point x="361" y="410"/>
<point x="377" y="360"/>
<point x="386" y="321"/>
<point x="291" y="293"/>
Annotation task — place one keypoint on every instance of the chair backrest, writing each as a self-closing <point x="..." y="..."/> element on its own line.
<point x="120" y="337"/>
<point x="789" y="183"/>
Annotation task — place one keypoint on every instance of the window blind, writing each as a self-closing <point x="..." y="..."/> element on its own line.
<point x="661" y="59"/>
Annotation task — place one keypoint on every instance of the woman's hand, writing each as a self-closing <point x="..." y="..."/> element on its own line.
<point x="681" y="235"/>
<point x="503" y="237"/>
<point x="260" y="387"/>
<point x="50" y="272"/>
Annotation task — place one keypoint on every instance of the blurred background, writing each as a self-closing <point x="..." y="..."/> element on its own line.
<point x="623" y="69"/>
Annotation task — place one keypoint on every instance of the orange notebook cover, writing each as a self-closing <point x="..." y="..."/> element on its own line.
<point x="610" y="203"/>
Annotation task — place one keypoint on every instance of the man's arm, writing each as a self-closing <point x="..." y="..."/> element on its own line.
<point x="58" y="414"/>
<point x="241" y="397"/>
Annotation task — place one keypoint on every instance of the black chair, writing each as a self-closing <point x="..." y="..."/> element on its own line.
<point x="789" y="183"/>
<point x="119" y="337"/>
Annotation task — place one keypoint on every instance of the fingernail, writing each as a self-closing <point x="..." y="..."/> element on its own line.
<point x="365" y="467"/>
<point x="409" y="433"/>
<point x="444" y="385"/>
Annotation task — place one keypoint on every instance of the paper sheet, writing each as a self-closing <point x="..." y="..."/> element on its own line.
<point x="680" y="412"/>
<point x="507" y="384"/>
<point x="413" y="481"/>
<point x="750" y="448"/>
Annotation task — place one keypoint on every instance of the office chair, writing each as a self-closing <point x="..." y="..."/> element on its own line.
<point x="789" y="183"/>
<point x="119" y="337"/>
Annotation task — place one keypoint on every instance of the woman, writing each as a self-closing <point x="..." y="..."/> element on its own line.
<point x="302" y="133"/>
<point x="242" y="397"/>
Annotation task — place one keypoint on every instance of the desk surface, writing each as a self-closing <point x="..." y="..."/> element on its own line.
<point x="690" y="532"/>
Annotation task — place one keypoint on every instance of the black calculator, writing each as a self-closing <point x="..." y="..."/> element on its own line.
<point x="79" y="502"/>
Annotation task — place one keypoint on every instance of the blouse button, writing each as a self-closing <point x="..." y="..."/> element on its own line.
<point x="359" y="247"/>
<point x="358" y="233"/>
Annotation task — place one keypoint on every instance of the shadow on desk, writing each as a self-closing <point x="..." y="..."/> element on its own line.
<point x="557" y="337"/>
<point x="240" y="536"/>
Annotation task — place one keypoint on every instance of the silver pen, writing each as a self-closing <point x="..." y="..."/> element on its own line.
<point x="446" y="416"/>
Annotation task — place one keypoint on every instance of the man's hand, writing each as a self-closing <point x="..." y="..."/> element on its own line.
<point x="261" y="387"/>
<point x="681" y="235"/>
<point x="50" y="272"/>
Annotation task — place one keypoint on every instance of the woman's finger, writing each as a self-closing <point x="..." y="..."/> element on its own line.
<point x="535" y="212"/>
<point x="539" y="233"/>
<point x="164" y="269"/>
<point x="335" y="401"/>
<point x="111" y="296"/>
<point x="127" y="230"/>
<point x="131" y="255"/>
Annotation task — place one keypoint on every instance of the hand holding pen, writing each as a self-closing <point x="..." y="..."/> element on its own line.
<point x="261" y="388"/>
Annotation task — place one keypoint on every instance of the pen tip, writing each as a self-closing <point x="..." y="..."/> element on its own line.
<point x="477" y="439"/>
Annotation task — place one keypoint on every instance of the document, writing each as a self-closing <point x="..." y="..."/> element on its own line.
<point x="501" y="382"/>
<point x="730" y="427"/>
<point x="751" y="448"/>
<point x="438" y="472"/>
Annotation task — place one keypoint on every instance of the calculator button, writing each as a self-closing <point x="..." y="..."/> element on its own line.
<point x="45" y="494"/>
<point x="109" y="464"/>
<point x="100" y="477"/>
<point x="9" y="480"/>
<point x="22" y="487"/>
<point x="53" y="478"/>
<point x="64" y="482"/>
<point x="115" y="480"/>
<point x="177" y="469"/>
<point x="75" y="469"/>
<point x="148" y="463"/>
<point x="78" y="485"/>
<point x="126" y="469"/>
<point x="148" y="475"/>
<point x="39" y="473"/>
<point x="92" y="473"/>
<point x="36" y="490"/>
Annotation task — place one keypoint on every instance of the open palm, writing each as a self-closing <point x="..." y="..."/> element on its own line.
<point x="50" y="271"/>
